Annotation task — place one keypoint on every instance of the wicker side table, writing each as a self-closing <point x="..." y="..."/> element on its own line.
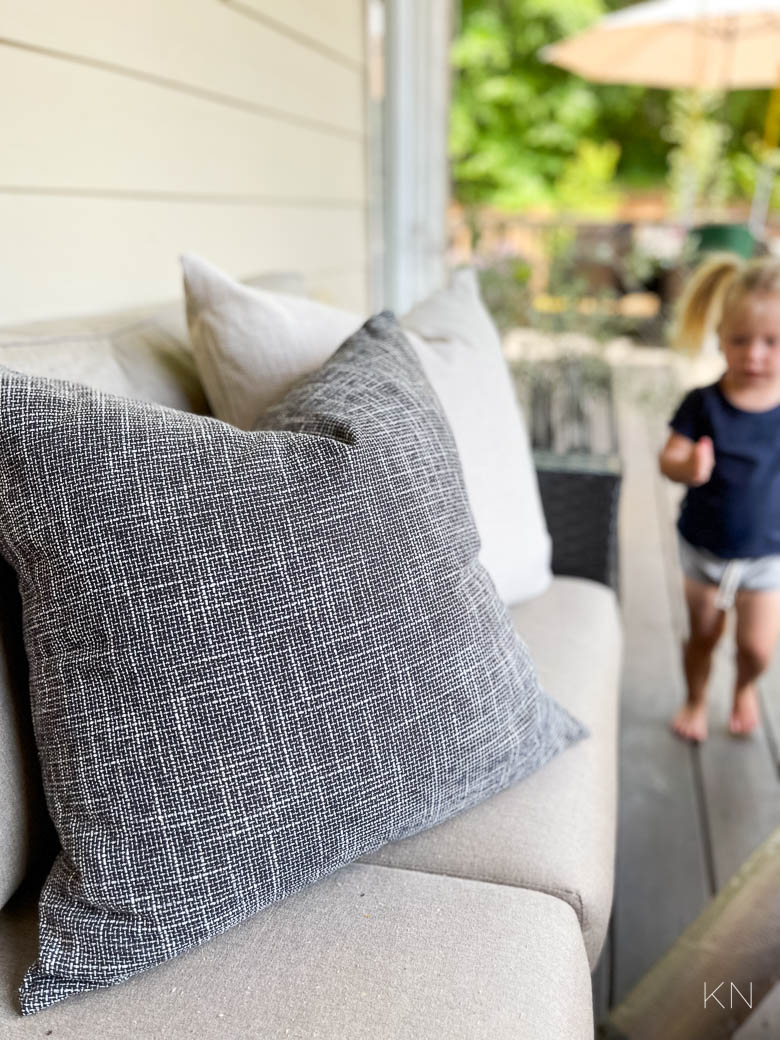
<point x="573" y="432"/>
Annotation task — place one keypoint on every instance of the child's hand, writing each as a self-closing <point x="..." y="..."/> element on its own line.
<point x="686" y="461"/>
<point x="702" y="461"/>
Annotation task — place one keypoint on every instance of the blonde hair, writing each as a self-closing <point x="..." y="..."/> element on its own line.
<point x="716" y="286"/>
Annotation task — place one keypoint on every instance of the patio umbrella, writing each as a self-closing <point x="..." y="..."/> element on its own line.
<point x="699" y="44"/>
<point x="706" y="44"/>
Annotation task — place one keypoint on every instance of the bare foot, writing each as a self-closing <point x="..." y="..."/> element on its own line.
<point x="744" y="713"/>
<point x="690" y="722"/>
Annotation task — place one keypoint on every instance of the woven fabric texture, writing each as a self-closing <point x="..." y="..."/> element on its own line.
<point x="254" y="656"/>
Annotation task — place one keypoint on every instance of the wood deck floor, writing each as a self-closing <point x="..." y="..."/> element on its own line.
<point x="688" y="816"/>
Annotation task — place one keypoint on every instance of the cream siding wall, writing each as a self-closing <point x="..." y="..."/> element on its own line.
<point x="132" y="132"/>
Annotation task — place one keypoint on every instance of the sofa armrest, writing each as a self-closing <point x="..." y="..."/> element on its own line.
<point x="580" y="495"/>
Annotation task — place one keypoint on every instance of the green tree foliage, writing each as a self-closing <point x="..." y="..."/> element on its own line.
<point x="516" y="121"/>
<point x="528" y="134"/>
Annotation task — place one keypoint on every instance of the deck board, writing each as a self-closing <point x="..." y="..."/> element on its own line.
<point x="662" y="877"/>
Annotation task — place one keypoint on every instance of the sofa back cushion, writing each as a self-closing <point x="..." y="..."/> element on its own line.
<point x="142" y="354"/>
<point x="460" y="350"/>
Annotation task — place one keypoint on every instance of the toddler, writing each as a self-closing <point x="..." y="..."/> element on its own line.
<point x="725" y="446"/>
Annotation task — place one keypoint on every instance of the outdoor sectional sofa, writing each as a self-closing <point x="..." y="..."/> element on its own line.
<point x="488" y="925"/>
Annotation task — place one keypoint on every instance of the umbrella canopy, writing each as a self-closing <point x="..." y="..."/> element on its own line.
<point x="706" y="44"/>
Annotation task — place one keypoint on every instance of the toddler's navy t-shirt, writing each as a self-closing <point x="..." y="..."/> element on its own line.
<point x="736" y="514"/>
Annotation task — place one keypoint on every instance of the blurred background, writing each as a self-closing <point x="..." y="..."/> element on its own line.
<point x="584" y="203"/>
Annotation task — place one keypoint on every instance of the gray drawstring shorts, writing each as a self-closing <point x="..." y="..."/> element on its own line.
<point x="755" y="573"/>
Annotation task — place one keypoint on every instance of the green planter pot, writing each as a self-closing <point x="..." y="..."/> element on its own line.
<point x="730" y="238"/>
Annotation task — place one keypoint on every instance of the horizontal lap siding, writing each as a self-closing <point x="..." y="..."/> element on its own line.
<point x="196" y="45"/>
<point x="335" y="25"/>
<point x="138" y="131"/>
<point x="86" y="128"/>
<point x="81" y="254"/>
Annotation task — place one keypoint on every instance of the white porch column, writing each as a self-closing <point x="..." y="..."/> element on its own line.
<point x="415" y="167"/>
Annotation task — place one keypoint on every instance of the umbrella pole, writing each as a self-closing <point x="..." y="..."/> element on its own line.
<point x="762" y="195"/>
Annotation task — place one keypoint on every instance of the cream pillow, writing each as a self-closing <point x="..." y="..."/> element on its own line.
<point x="251" y="345"/>
<point x="460" y="351"/>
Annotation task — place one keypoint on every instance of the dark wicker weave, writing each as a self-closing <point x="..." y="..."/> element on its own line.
<point x="580" y="495"/>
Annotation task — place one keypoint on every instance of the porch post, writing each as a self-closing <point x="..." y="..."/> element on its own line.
<point x="416" y="176"/>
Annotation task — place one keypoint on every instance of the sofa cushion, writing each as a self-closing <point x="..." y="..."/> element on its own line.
<point x="460" y="349"/>
<point x="555" y="831"/>
<point x="368" y="954"/>
<point x="250" y="347"/>
<point x="139" y="353"/>
<point x="253" y="656"/>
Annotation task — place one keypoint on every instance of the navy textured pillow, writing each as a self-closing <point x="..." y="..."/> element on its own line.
<point x="253" y="656"/>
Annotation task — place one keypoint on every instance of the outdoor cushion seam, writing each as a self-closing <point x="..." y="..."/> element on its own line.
<point x="566" y="895"/>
